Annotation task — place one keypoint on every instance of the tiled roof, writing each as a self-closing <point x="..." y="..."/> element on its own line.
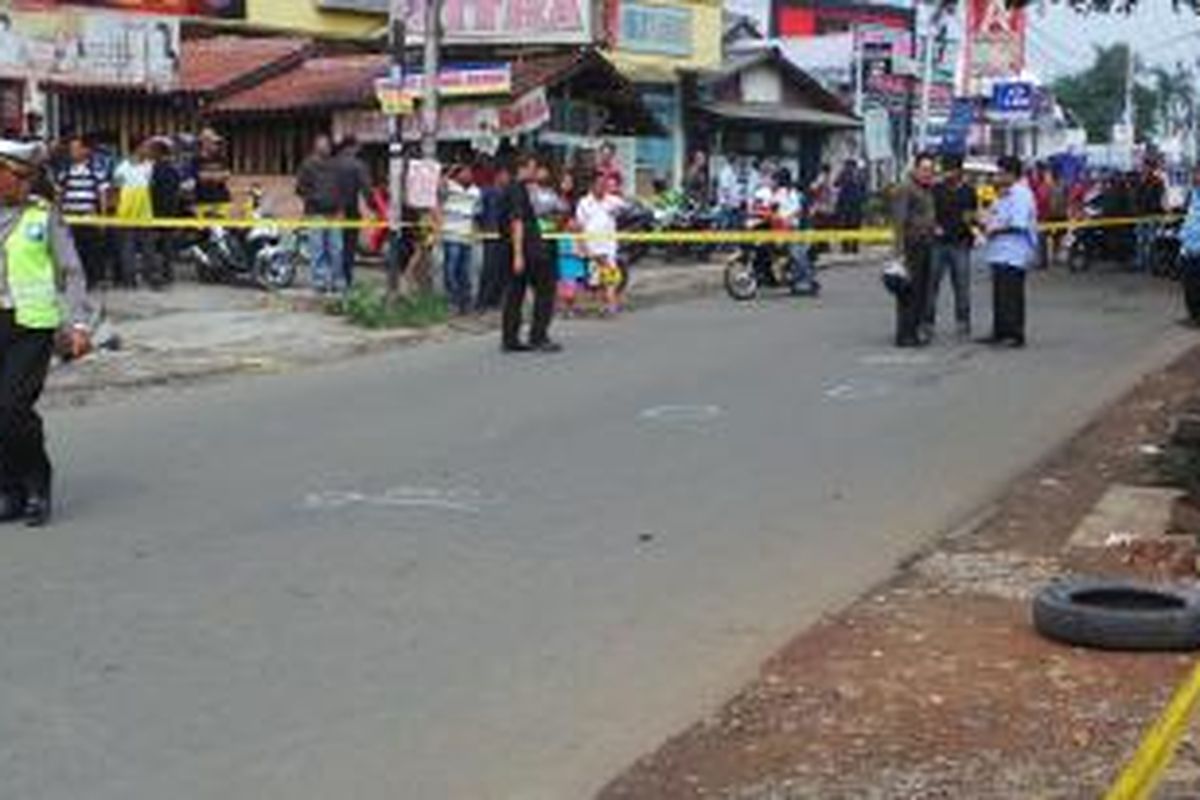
<point x="316" y="83"/>
<point x="208" y="65"/>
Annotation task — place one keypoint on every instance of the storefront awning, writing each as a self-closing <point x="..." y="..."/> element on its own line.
<point x="781" y="115"/>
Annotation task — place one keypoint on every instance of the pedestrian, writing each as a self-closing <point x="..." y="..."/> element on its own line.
<point x="572" y="266"/>
<point x="212" y="195"/>
<point x="83" y="194"/>
<point x="1149" y="197"/>
<point x="596" y="217"/>
<point x="608" y="166"/>
<point x="914" y="218"/>
<point x="1012" y="248"/>
<point x="456" y="220"/>
<point x="317" y="186"/>
<point x="166" y="199"/>
<point x="731" y="197"/>
<point x="851" y="201"/>
<point x="822" y="198"/>
<point x="132" y="179"/>
<point x="496" y="251"/>
<point x="354" y="191"/>
<point x="530" y="266"/>
<point x="42" y="289"/>
<point x="695" y="180"/>
<point x="1189" y="248"/>
<point x="957" y="208"/>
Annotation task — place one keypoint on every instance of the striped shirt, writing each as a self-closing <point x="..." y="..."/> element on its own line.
<point x="81" y="190"/>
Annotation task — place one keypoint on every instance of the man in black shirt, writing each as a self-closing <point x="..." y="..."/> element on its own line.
<point x="956" y="207"/>
<point x="530" y="266"/>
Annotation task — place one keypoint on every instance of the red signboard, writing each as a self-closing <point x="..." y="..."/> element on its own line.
<point x="229" y="9"/>
<point x="995" y="39"/>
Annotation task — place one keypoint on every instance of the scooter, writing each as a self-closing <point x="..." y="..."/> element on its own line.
<point x="764" y="264"/>
<point x="265" y="256"/>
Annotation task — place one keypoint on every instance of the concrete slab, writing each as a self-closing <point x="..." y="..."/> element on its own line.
<point x="1126" y="514"/>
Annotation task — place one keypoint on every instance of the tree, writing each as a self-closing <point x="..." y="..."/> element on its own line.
<point x="1096" y="96"/>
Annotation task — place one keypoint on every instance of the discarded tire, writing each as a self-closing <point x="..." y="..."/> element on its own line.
<point x="1118" y="615"/>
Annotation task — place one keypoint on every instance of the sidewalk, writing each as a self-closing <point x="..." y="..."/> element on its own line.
<point x="193" y="331"/>
<point x="935" y="685"/>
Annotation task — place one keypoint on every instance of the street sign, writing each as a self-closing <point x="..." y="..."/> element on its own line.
<point x="1013" y="97"/>
<point x="394" y="100"/>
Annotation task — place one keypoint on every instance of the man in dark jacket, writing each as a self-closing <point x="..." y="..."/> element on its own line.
<point x="318" y="186"/>
<point x="914" y="218"/>
<point x="354" y="190"/>
<point x="166" y="199"/>
<point x="530" y="266"/>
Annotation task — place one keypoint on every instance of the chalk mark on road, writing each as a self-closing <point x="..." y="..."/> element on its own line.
<point x="465" y="501"/>
<point x="858" y="389"/>
<point x="682" y="413"/>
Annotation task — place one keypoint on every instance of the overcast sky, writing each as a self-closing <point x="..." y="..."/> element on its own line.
<point x="1061" y="41"/>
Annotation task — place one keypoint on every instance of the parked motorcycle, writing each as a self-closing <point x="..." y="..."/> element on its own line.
<point x="264" y="256"/>
<point x="685" y="216"/>
<point x="765" y="264"/>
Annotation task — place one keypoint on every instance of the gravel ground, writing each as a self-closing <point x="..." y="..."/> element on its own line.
<point x="935" y="685"/>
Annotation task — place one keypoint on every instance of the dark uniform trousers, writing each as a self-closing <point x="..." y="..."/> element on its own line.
<point x="911" y="303"/>
<point x="496" y="255"/>
<point x="24" y="361"/>
<point x="538" y="275"/>
<point x="1008" y="303"/>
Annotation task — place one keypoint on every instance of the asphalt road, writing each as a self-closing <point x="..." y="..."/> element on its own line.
<point x="446" y="573"/>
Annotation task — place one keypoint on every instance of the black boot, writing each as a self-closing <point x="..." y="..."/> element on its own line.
<point x="37" y="509"/>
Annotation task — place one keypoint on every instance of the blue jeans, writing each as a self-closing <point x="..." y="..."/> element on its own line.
<point x="456" y="270"/>
<point x="803" y="276"/>
<point x="325" y="256"/>
<point x="1146" y="233"/>
<point x="955" y="259"/>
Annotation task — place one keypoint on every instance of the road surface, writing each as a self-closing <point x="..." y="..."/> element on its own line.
<point x="447" y="573"/>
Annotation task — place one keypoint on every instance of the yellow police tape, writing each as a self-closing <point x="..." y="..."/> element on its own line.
<point x="877" y="235"/>
<point x="1144" y="771"/>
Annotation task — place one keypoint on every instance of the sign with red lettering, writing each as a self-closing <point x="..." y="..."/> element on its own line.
<point x="995" y="39"/>
<point x="492" y="21"/>
<point x="228" y="9"/>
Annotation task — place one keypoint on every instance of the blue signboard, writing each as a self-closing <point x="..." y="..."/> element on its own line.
<point x="1013" y="97"/>
<point x="958" y="126"/>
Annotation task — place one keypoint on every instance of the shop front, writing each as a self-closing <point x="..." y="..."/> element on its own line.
<point x="655" y="44"/>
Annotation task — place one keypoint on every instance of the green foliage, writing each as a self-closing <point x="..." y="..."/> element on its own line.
<point x="369" y="307"/>
<point x="1096" y="96"/>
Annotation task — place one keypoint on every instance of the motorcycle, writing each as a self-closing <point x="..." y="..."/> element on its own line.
<point x="263" y="256"/>
<point x="764" y="264"/>
<point x="689" y="217"/>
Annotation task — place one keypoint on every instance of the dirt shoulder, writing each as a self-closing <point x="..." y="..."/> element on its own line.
<point x="935" y="685"/>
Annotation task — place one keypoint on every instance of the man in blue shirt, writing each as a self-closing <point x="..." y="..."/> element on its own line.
<point x="1189" y="247"/>
<point x="1012" y="246"/>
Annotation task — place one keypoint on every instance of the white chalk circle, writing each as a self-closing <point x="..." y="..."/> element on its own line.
<point x="681" y="413"/>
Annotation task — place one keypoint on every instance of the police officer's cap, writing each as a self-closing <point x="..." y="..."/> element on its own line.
<point x="24" y="156"/>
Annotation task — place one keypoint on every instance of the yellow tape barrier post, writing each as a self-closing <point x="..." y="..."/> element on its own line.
<point x="1144" y="771"/>
<point x="810" y="236"/>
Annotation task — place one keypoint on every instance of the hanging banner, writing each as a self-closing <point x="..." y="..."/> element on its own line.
<point x="224" y="9"/>
<point x="465" y="80"/>
<point x="424" y="179"/>
<point x="466" y="122"/>
<point x="521" y="22"/>
<point x="995" y="39"/>
<point x="84" y="48"/>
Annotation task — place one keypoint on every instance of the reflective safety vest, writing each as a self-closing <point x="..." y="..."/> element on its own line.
<point x="32" y="277"/>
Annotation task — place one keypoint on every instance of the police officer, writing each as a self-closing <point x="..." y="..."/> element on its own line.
<point x="42" y="293"/>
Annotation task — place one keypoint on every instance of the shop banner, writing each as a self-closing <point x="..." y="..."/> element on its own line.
<point x="225" y="9"/>
<point x="86" y="48"/>
<point x="465" y="80"/>
<point x="456" y="122"/>
<point x="492" y="21"/>
<point x="424" y="180"/>
<point x="995" y="39"/>
<point x="658" y="29"/>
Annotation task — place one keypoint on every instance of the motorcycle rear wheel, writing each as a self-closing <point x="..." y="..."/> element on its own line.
<point x="276" y="269"/>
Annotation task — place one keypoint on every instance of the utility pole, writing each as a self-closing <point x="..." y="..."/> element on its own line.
<point x="857" y="62"/>
<point x="433" y="67"/>
<point x="933" y="19"/>
<point x="397" y="11"/>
